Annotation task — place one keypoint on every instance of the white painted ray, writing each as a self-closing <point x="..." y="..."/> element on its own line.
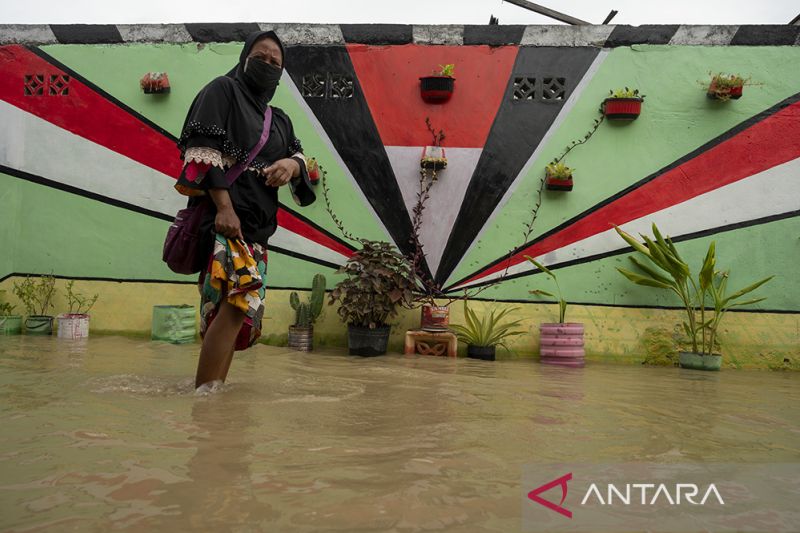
<point x="771" y="192"/>
<point x="287" y="81"/>
<point x="34" y="145"/>
<point x="446" y="195"/>
<point x="295" y="242"/>
<point x="565" y="110"/>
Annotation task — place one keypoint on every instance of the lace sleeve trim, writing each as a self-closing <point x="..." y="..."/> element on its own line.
<point x="208" y="156"/>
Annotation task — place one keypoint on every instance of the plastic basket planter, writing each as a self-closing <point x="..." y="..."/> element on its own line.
<point x="622" y="108"/>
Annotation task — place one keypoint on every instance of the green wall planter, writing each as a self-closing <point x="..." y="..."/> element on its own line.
<point x="39" y="325"/>
<point x="697" y="361"/>
<point x="10" y="325"/>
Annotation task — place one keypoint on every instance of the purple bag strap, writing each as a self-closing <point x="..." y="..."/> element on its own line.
<point x="236" y="170"/>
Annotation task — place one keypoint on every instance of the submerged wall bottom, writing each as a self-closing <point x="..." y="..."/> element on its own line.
<point x="613" y="334"/>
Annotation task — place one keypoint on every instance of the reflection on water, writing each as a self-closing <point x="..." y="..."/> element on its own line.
<point x="107" y="434"/>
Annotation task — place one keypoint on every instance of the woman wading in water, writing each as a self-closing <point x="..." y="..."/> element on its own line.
<point x="237" y="151"/>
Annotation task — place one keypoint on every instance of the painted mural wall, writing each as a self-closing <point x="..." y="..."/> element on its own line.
<point x="87" y="160"/>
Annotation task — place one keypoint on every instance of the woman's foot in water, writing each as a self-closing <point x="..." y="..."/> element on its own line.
<point x="209" y="388"/>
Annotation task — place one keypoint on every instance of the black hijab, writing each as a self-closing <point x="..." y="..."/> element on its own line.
<point x="228" y="113"/>
<point x="237" y="73"/>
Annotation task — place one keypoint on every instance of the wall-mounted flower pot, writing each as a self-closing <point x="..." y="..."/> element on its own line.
<point x="39" y="325"/>
<point x="436" y="89"/>
<point x="73" y="326"/>
<point x="313" y="171"/>
<point x="561" y="344"/>
<point x="10" y="325"/>
<point x="368" y="342"/>
<point x="435" y="318"/>
<point x="697" y="361"/>
<point x="724" y="93"/>
<point x="301" y="338"/>
<point x="554" y="184"/>
<point x="155" y="83"/>
<point x="486" y="353"/>
<point x="622" y="108"/>
<point x="433" y="158"/>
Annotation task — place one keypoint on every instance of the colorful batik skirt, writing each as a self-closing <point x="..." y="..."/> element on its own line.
<point x="236" y="271"/>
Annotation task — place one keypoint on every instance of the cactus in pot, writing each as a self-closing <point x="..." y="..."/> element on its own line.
<point x="301" y="334"/>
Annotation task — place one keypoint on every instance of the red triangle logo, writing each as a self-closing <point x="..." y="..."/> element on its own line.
<point x="562" y="482"/>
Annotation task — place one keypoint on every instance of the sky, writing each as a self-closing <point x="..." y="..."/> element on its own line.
<point x="388" y="11"/>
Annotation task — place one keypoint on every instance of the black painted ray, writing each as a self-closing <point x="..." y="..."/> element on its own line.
<point x="517" y="130"/>
<point x="349" y="124"/>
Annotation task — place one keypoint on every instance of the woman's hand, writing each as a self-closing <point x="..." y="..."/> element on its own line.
<point x="281" y="171"/>
<point x="227" y="223"/>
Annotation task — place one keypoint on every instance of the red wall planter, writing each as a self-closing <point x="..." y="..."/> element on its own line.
<point x="622" y="108"/>
<point x="715" y="93"/>
<point x="553" y="184"/>
<point x="155" y="83"/>
<point x="436" y="89"/>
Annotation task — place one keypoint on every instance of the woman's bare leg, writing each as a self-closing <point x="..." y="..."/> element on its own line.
<point x="217" y="349"/>
<point x="226" y="366"/>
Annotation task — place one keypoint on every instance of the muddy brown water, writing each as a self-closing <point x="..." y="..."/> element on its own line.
<point x="106" y="434"/>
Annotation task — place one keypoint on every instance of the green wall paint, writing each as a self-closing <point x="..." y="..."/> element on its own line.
<point x="10" y="220"/>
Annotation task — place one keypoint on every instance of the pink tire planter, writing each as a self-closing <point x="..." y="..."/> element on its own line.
<point x="561" y="344"/>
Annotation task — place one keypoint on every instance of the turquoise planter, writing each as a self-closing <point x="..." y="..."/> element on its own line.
<point x="697" y="361"/>
<point x="10" y="325"/>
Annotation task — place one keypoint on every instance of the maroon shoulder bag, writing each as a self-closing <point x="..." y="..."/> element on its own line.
<point x="182" y="243"/>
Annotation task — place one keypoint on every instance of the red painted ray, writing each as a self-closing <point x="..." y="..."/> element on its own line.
<point x="289" y="221"/>
<point x="763" y="145"/>
<point x="389" y="77"/>
<point x="84" y="112"/>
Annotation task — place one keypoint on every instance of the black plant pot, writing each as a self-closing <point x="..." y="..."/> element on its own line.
<point x="368" y="342"/>
<point x="481" y="352"/>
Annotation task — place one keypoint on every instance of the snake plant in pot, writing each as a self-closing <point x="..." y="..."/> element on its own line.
<point x="560" y="343"/>
<point x="482" y="335"/>
<point x="301" y="334"/>
<point x="379" y="280"/>
<point x="665" y="269"/>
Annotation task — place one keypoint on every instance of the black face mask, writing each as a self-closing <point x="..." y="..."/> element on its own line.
<point x="261" y="76"/>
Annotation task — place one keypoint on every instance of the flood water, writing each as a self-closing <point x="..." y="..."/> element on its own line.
<point x="106" y="434"/>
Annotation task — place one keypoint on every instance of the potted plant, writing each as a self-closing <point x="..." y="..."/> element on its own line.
<point x="558" y="177"/>
<point x="9" y="324"/>
<point x="560" y="343"/>
<point x="378" y="280"/>
<point x="483" y="335"/>
<point x="37" y="297"/>
<point x="155" y="83"/>
<point x="672" y="273"/>
<point x="75" y="323"/>
<point x="726" y="87"/>
<point x="623" y="104"/>
<point x="438" y="88"/>
<point x="313" y="170"/>
<point x="301" y="334"/>
<point x="433" y="157"/>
